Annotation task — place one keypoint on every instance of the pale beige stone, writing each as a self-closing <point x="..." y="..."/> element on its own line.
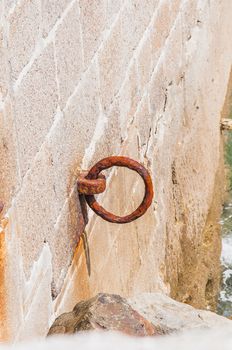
<point x="165" y="17"/>
<point x="112" y="9"/>
<point x="145" y="62"/>
<point x="39" y="302"/>
<point x="119" y="117"/>
<point x="9" y="5"/>
<point x="112" y="140"/>
<point x="64" y="239"/>
<point x="113" y="61"/>
<point x="4" y="66"/>
<point x="35" y="105"/>
<point x="74" y="132"/>
<point x="164" y="251"/>
<point x="151" y="48"/>
<point x="93" y="23"/>
<point x="52" y="11"/>
<point x="2" y="11"/>
<point x="9" y="171"/>
<point x="24" y="31"/>
<point x="162" y="310"/>
<point x="47" y="188"/>
<point x="136" y="16"/>
<point x="112" y="65"/>
<point x="144" y="123"/>
<point x="155" y="96"/>
<point x="69" y="54"/>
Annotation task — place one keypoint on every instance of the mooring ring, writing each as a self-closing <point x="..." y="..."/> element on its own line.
<point x="121" y="161"/>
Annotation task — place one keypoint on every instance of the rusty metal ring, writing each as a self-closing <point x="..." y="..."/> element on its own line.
<point x="120" y="161"/>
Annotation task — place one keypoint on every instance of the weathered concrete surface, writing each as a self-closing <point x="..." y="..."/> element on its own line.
<point x="149" y="82"/>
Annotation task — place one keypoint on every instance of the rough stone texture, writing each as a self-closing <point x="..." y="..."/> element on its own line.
<point x="175" y="316"/>
<point x="112" y="65"/>
<point x="24" y="31"/>
<point x="93" y="21"/>
<point x="9" y="176"/>
<point x="69" y="54"/>
<point x="4" y="67"/>
<point x="111" y="312"/>
<point x="35" y="105"/>
<point x="51" y="12"/>
<point x="152" y="87"/>
<point x="103" y="312"/>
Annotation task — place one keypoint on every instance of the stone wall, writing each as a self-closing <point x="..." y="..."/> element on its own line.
<point x="80" y="80"/>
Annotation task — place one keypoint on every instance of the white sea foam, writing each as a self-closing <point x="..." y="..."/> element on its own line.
<point x="226" y="255"/>
<point x="213" y="339"/>
<point x="226" y="275"/>
<point x="224" y="297"/>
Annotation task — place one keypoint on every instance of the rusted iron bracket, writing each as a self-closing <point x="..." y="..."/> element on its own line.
<point x="93" y="182"/>
<point x="89" y="187"/>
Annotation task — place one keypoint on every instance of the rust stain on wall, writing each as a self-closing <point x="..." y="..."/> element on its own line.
<point x="3" y="311"/>
<point x="82" y="287"/>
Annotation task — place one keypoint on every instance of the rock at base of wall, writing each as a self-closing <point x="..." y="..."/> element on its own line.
<point x="145" y="314"/>
<point x="175" y="316"/>
<point x="104" y="312"/>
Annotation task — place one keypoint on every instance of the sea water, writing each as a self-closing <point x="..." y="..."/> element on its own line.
<point x="225" y="297"/>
